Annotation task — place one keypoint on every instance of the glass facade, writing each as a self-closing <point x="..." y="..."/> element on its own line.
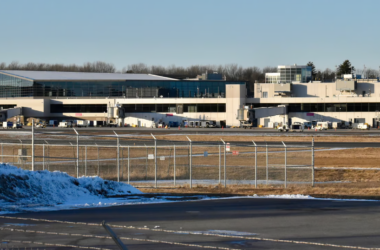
<point x="15" y="87"/>
<point x="290" y="74"/>
<point x="172" y="108"/>
<point x="78" y="108"/>
<point x="325" y="107"/>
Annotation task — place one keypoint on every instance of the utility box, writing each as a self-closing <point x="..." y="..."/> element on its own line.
<point x="22" y="153"/>
<point x="346" y="85"/>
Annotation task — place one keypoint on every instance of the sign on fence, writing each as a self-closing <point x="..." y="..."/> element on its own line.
<point x="205" y="154"/>
<point x="235" y="152"/>
<point x="150" y="156"/>
<point x="162" y="158"/>
<point x="228" y="148"/>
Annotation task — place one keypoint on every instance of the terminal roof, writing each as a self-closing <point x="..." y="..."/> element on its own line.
<point x="80" y="76"/>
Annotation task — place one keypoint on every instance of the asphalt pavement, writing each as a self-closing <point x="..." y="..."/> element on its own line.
<point x="305" y="222"/>
<point x="173" y="130"/>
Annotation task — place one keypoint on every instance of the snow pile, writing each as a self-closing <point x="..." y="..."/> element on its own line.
<point x="24" y="187"/>
<point x="285" y="196"/>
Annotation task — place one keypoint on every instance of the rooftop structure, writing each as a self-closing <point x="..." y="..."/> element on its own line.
<point x="289" y="74"/>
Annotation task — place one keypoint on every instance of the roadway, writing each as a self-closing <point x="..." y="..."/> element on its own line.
<point x="129" y="130"/>
<point x="348" y="223"/>
<point x="150" y="142"/>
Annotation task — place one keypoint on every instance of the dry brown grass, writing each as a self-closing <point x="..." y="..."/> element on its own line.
<point x="357" y="190"/>
<point x="354" y="182"/>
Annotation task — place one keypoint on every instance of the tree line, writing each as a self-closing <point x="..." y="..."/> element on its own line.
<point x="232" y="72"/>
<point x="101" y="67"/>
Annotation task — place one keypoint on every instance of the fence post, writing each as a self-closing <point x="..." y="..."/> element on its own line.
<point x="97" y="148"/>
<point x="155" y="161"/>
<point x="48" y="155"/>
<point x="220" y="170"/>
<point x="285" y="177"/>
<point x="190" y="162"/>
<point x="77" y="161"/>
<point x="255" y="164"/>
<point x="85" y="160"/>
<point x="312" y="162"/>
<point x="22" y="159"/>
<point x="43" y="156"/>
<point x="32" y="144"/>
<point x="174" y="168"/>
<point x="225" y="175"/>
<point x="128" y="164"/>
<point x="118" y="156"/>
<point x="267" y="167"/>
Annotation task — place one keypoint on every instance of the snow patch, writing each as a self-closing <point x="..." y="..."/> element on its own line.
<point x="285" y="196"/>
<point x="24" y="188"/>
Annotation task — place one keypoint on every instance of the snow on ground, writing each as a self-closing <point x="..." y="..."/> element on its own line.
<point x="23" y="189"/>
<point x="33" y="191"/>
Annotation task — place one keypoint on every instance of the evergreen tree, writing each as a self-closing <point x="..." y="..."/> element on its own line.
<point x="313" y="71"/>
<point x="345" y="68"/>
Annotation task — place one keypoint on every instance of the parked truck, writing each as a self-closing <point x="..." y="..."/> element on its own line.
<point x="208" y="124"/>
<point x="53" y="123"/>
<point x="297" y="127"/>
<point x="7" y="125"/>
<point x="362" y="126"/>
<point x="65" y="125"/>
<point x="82" y="123"/>
<point x="99" y="123"/>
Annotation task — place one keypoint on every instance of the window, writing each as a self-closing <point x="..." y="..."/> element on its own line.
<point x="78" y="108"/>
<point x="265" y="94"/>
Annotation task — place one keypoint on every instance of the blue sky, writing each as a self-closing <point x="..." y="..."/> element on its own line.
<point x="166" y="32"/>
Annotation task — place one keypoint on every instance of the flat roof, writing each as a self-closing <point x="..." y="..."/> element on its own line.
<point x="80" y="76"/>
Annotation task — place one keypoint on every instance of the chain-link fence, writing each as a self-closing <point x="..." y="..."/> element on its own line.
<point x="155" y="163"/>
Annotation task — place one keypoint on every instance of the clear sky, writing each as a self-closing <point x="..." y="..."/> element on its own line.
<point x="186" y="32"/>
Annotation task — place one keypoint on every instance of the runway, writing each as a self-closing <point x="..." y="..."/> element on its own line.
<point x="238" y="223"/>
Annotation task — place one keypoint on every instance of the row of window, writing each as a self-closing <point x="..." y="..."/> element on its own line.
<point x="138" y="108"/>
<point x="15" y="87"/>
<point x="327" y="107"/>
<point x="174" y="108"/>
<point x="78" y="108"/>
<point x="7" y="106"/>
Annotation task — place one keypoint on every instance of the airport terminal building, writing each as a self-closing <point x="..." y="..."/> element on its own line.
<point x="140" y="99"/>
<point x="143" y="99"/>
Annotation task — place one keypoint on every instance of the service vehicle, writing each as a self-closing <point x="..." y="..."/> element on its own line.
<point x="7" y="124"/>
<point x="99" y="123"/>
<point x="246" y="124"/>
<point x="82" y="123"/>
<point x="112" y="124"/>
<point x="53" y="123"/>
<point x="17" y="125"/>
<point x="363" y="126"/>
<point x="208" y="124"/>
<point x="40" y="125"/>
<point x="283" y="128"/>
<point x="297" y="127"/>
<point x="194" y="124"/>
<point x="65" y="125"/>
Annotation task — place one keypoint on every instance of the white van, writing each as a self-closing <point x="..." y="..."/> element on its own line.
<point x="65" y="125"/>
<point x="323" y="125"/>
